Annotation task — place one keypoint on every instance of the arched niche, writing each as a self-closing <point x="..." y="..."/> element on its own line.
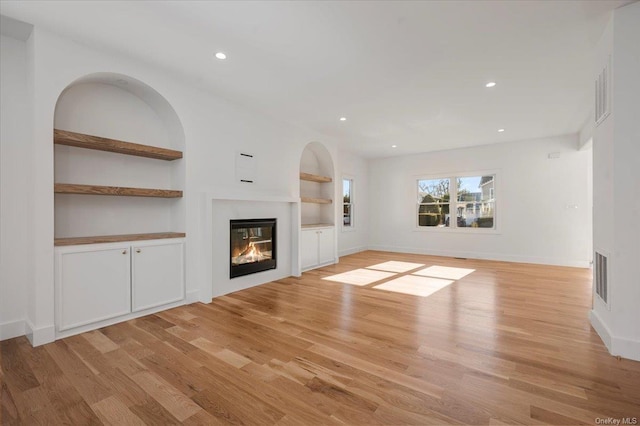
<point x="120" y="107"/>
<point x="316" y="160"/>
<point x="135" y="96"/>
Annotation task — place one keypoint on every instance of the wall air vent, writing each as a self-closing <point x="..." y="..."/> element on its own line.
<point x="601" y="277"/>
<point x="603" y="93"/>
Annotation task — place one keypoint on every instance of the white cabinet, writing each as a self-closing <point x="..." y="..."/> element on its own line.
<point x="317" y="247"/>
<point x="93" y="285"/>
<point x="98" y="282"/>
<point x="157" y="275"/>
<point x="326" y="246"/>
<point x="308" y="248"/>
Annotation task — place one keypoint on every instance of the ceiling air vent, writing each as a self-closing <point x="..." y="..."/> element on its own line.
<point x="601" y="277"/>
<point x="603" y="93"/>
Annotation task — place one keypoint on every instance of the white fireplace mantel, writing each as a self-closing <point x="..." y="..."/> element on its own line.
<point x="220" y="200"/>
<point x="235" y="196"/>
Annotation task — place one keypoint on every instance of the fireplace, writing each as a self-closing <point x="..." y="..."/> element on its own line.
<point x="252" y="246"/>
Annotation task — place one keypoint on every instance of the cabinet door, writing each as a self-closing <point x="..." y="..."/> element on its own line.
<point x="157" y="275"/>
<point x="94" y="285"/>
<point x="326" y="246"/>
<point x="308" y="248"/>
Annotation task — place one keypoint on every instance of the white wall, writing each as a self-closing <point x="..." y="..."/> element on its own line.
<point x="356" y="238"/>
<point x="543" y="212"/>
<point x="616" y="177"/>
<point x="214" y="131"/>
<point x="15" y="177"/>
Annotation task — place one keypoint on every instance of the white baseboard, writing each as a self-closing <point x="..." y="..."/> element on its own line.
<point x="192" y="296"/>
<point x="39" y="336"/>
<point x="352" y="250"/>
<point x="626" y="348"/>
<point x="600" y="328"/>
<point x="617" y="346"/>
<point x="9" y="330"/>
<point x="486" y="256"/>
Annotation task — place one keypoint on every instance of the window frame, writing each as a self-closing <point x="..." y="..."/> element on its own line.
<point x="351" y="227"/>
<point x="453" y="192"/>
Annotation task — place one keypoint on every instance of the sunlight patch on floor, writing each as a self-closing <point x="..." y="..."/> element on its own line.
<point x="359" y="277"/>
<point x="416" y="286"/>
<point x="445" y="272"/>
<point x="395" y="266"/>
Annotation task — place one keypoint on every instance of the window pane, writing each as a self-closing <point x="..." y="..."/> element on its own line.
<point x="346" y="190"/>
<point x="433" y="214"/>
<point x="433" y="190"/>
<point x="475" y="201"/>
<point x="346" y="214"/>
<point x="433" y="202"/>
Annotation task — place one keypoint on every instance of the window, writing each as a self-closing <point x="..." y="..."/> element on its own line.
<point x="347" y="203"/>
<point x="433" y="202"/>
<point x="473" y="204"/>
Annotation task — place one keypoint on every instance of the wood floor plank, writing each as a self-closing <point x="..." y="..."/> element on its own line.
<point x="509" y="343"/>
<point x="112" y="411"/>
<point x="80" y="376"/>
<point x="100" y="341"/>
<point x="15" y="370"/>
<point x="151" y="412"/>
<point x="171" y="399"/>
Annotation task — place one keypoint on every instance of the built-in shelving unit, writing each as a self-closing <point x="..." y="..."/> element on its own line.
<point x="116" y="238"/>
<point x="317" y="211"/>
<point x="79" y="140"/>
<point x="97" y="143"/>
<point x="310" y="177"/>
<point x="316" y="187"/>
<point x="67" y="188"/>
<point x="119" y="206"/>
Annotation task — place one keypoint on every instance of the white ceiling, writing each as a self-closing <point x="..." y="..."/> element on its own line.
<point x="404" y="73"/>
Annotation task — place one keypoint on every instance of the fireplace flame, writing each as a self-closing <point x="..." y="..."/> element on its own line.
<point x="251" y="254"/>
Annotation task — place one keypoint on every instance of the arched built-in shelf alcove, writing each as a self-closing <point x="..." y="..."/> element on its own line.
<point x="110" y="131"/>
<point x="317" y="212"/>
<point x="316" y="186"/>
<point x="119" y="207"/>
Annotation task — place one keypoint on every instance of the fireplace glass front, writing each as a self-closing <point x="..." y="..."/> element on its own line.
<point x="253" y="246"/>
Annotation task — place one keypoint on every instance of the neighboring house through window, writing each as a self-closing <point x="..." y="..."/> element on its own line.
<point x="457" y="202"/>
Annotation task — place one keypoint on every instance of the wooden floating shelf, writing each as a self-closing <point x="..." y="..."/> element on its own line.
<point x="79" y="140"/>
<point x="66" y="188"/>
<point x="116" y="238"/>
<point x="315" y="178"/>
<point x="316" y="225"/>
<point x="315" y="200"/>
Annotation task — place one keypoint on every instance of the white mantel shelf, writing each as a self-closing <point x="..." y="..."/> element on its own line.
<point x="254" y="197"/>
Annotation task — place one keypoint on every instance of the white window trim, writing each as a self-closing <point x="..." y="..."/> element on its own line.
<point x="454" y="229"/>
<point x="351" y="228"/>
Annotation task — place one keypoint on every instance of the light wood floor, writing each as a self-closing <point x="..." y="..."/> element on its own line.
<point x="507" y="344"/>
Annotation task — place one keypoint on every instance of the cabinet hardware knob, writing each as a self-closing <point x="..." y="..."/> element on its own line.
<point x="124" y="252"/>
<point x="138" y="250"/>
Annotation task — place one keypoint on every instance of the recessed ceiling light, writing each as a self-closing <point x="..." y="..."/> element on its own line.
<point x="490" y="84"/>
<point x="221" y="55"/>
<point x="343" y="118"/>
<point x="394" y="146"/>
<point x="500" y="130"/>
